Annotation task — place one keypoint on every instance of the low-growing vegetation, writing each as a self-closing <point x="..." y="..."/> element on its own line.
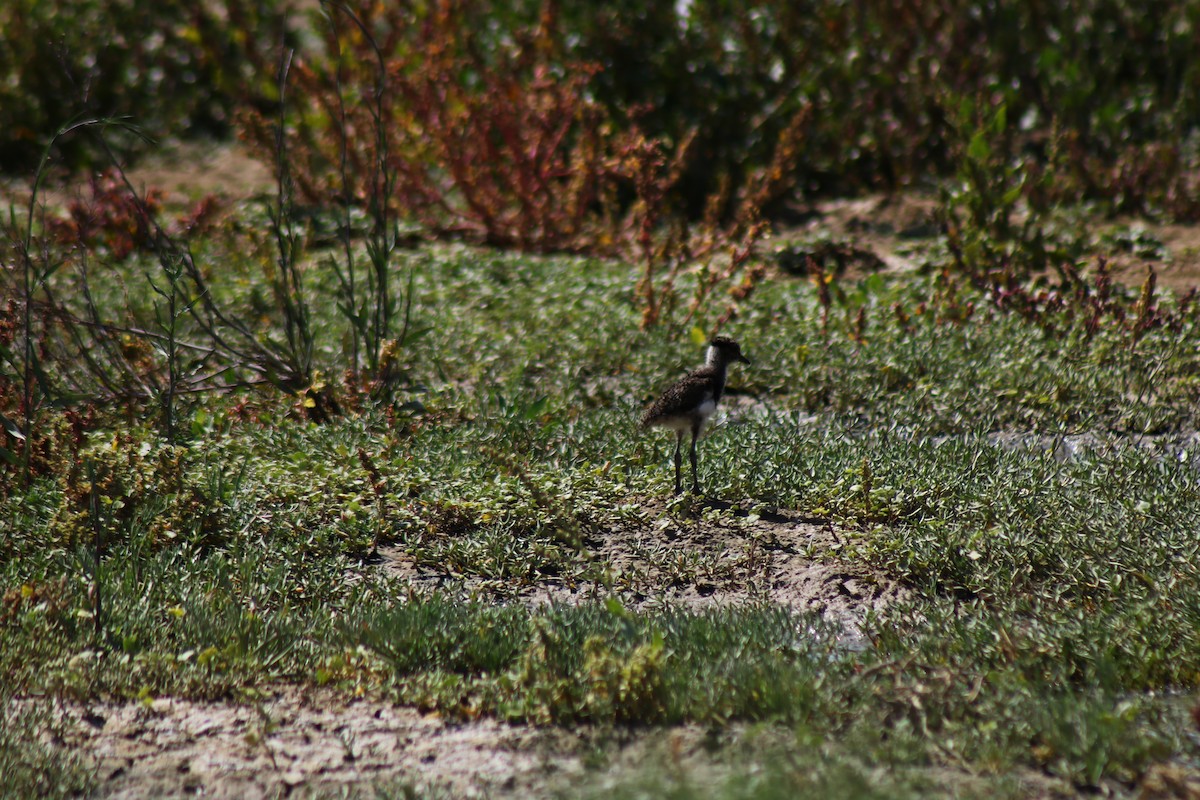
<point x="1031" y="481"/>
<point x="373" y="432"/>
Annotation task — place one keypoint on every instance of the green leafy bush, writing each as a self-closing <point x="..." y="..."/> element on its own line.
<point x="1111" y="75"/>
<point x="173" y="67"/>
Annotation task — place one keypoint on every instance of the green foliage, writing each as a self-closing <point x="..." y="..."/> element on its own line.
<point x="876" y="72"/>
<point x="169" y="66"/>
<point x="120" y="488"/>
<point x="599" y="663"/>
<point x="35" y="764"/>
<point x="467" y="639"/>
<point x="983" y="206"/>
<point x="990" y="682"/>
<point x="762" y="767"/>
<point x="1100" y="94"/>
<point x="1008" y="433"/>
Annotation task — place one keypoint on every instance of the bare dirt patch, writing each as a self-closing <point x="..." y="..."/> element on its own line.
<point x="733" y="557"/>
<point x="183" y="171"/>
<point x="881" y="231"/>
<point x="713" y="554"/>
<point x="1179" y="269"/>
<point x="191" y="170"/>
<point x="313" y="743"/>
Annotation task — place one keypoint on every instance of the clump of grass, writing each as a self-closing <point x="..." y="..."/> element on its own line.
<point x="759" y="765"/>
<point x="600" y="663"/>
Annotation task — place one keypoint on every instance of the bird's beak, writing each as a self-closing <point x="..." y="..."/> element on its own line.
<point x="743" y="359"/>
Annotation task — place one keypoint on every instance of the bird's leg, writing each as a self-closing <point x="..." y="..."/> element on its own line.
<point x="695" y="478"/>
<point x="678" y="462"/>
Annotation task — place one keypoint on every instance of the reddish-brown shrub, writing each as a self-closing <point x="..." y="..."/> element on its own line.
<point x="502" y="144"/>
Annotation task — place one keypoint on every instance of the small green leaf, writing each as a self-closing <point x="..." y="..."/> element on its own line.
<point x="1012" y="194"/>
<point x="615" y="608"/>
<point x="979" y="149"/>
<point x="537" y="407"/>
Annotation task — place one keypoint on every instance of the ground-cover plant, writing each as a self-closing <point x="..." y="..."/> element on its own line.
<point x="758" y="764"/>
<point x="1034" y="504"/>
<point x="947" y="358"/>
<point x="601" y="662"/>
<point x="33" y="764"/>
<point x="1009" y="433"/>
<point x="1045" y="680"/>
<point x="190" y="619"/>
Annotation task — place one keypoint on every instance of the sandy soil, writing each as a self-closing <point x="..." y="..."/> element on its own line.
<point x="311" y="742"/>
<point x="184" y="171"/>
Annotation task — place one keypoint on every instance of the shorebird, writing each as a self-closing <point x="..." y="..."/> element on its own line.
<point x="691" y="400"/>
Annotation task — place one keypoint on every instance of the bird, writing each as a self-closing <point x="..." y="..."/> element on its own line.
<point x="688" y="403"/>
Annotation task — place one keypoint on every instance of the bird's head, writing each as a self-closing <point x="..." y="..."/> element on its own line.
<point x="724" y="350"/>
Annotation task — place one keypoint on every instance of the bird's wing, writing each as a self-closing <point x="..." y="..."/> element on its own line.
<point x="681" y="397"/>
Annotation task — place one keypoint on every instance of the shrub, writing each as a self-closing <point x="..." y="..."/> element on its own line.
<point x="172" y="66"/>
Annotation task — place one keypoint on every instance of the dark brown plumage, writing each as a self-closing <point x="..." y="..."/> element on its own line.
<point x="690" y="401"/>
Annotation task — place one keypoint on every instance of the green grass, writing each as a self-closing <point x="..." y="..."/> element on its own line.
<point x="1052" y="626"/>
<point x="762" y="767"/>
<point x="602" y="663"/>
